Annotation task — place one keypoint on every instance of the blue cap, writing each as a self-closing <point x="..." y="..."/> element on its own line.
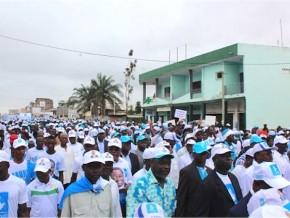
<point x="199" y="148"/>
<point x="116" y="134"/>
<point x="140" y="138"/>
<point x="255" y="139"/>
<point x="125" y="138"/>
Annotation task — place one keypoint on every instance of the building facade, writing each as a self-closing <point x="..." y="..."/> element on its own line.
<point x="240" y="84"/>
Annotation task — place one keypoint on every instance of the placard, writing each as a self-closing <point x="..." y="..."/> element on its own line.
<point x="181" y="114"/>
<point x="210" y="120"/>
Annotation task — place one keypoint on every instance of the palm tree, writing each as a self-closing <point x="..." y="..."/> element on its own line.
<point x="82" y="99"/>
<point x="106" y="92"/>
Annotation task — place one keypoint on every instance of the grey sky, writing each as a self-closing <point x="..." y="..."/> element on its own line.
<point x="150" y="28"/>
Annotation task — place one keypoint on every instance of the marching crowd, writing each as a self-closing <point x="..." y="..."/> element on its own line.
<point x="73" y="168"/>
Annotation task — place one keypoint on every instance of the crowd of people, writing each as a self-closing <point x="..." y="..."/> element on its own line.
<point x="72" y="168"/>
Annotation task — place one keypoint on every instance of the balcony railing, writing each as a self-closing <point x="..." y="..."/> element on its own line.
<point x="234" y="88"/>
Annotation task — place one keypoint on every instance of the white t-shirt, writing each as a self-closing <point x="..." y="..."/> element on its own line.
<point x="126" y="171"/>
<point x="44" y="198"/>
<point x="239" y="171"/>
<point x="58" y="159"/>
<point x="229" y="186"/>
<point x="77" y="148"/>
<point x="77" y="166"/>
<point x="33" y="154"/>
<point x="281" y="160"/>
<point x="12" y="192"/>
<point x="68" y="159"/>
<point x="24" y="170"/>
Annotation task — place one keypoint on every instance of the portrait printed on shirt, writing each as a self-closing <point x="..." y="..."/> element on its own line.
<point x="119" y="177"/>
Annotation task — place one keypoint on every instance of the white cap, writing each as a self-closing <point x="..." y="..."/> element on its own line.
<point x="94" y="132"/>
<point x="93" y="156"/>
<point x="280" y="139"/>
<point x="246" y="143"/>
<point x="270" y="211"/>
<point x="42" y="165"/>
<point x="162" y="144"/>
<point x="115" y="142"/>
<point x="148" y="153"/>
<point x="262" y="146"/>
<point x="81" y="134"/>
<point x="263" y="197"/>
<point x="89" y="140"/>
<point x="196" y="131"/>
<point x="189" y="135"/>
<point x="220" y="148"/>
<point x="19" y="142"/>
<point x="249" y="152"/>
<point x="4" y="157"/>
<point x="72" y="134"/>
<point x="149" y="210"/>
<point x="271" y="174"/>
<point x="190" y="142"/>
<point x="169" y="136"/>
<point x="100" y="131"/>
<point x="45" y="135"/>
<point x="162" y="152"/>
<point x="107" y="157"/>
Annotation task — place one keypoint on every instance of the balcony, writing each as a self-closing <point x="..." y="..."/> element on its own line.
<point x="235" y="88"/>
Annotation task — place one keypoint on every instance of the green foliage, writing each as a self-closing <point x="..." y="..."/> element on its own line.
<point x="138" y="107"/>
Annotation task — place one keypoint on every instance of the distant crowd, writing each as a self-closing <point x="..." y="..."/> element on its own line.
<point x="72" y="168"/>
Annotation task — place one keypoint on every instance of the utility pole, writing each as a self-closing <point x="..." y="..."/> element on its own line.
<point x="223" y="98"/>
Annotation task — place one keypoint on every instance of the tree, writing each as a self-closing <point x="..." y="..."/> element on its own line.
<point x="138" y="107"/>
<point x="128" y="76"/>
<point x="81" y="98"/>
<point x="106" y="92"/>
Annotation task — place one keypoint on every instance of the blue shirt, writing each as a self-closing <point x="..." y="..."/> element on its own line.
<point x="147" y="189"/>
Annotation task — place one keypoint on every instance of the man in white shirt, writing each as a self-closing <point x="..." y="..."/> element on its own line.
<point x="280" y="155"/>
<point x="33" y="153"/>
<point x="45" y="192"/>
<point x="239" y="170"/>
<point x="73" y="144"/>
<point x="13" y="192"/>
<point x="186" y="158"/>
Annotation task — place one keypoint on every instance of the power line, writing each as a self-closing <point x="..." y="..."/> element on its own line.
<point x="127" y="58"/>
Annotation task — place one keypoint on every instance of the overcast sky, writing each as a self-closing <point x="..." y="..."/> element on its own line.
<point x="150" y="28"/>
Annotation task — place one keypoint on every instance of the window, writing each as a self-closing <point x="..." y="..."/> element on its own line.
<point x="167" y="92"/>
<point x="196" y="87"/>
<point x="219" y="75"/>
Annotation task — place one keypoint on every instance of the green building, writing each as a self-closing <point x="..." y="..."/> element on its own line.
<point x="256" y="81"/>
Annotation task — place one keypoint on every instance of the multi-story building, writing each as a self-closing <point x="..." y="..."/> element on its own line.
<point x="244" y="84"/>
<point x="44" y="103"/>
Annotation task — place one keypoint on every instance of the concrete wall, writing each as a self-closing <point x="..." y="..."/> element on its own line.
<point x="180" y="85"/>
<point x="267" y="86"/>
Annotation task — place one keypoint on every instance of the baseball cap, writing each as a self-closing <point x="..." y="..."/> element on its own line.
<point x="255" y="139"/>
<point x="123" y="128"/>
<point x="271" y="174"/>
<point x="220" y="148"/>
<point x="13" y="137"/>
<point x="89" y="140"/>
<point x="226" y="133"/>
<point x="249" y="152"/>
<point x="199" y="148"/>
<point x="246" y="143"/>
<point x="107" y="157"/>
<point x="19" y="142"/>
<point x="280" y="139"/>
<point x="169" y="136"/>
<point x="162" y="152"/>
<point x="100" y="131"/>
<point x="190" y="142"/>
<point x="42" y="165"/>
<point x="93" y="156"/>
<point x="149" y="210"/>
<point x="140" y="138"/>
<point x="262" y="146"/>
<point x="188" y="136"/>
<point x="162" y="144"/>
<point x="72" y="134"/>
<point x="81" y="134"/>
<point x="148" y="153"/>
<point x="263" y="197"/>
<point x="270" y="211"/>
<point x="196" y="131"/>
<point x="115" y="142"/>
<point x="125" y="138"/>
<point x="4" y="157"/>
